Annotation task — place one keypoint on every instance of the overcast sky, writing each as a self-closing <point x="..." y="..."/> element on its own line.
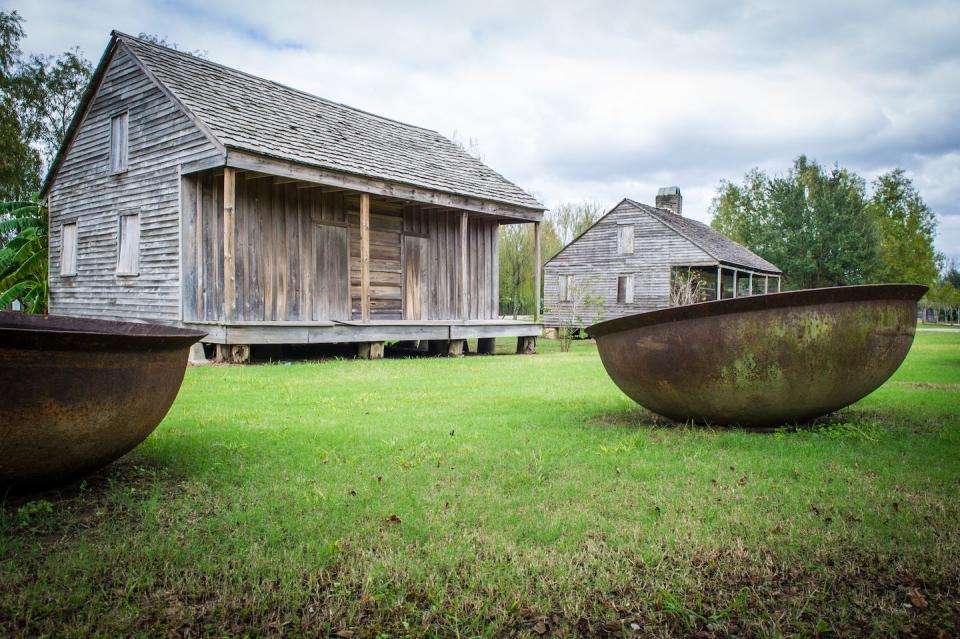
<point x="598" y="100"/>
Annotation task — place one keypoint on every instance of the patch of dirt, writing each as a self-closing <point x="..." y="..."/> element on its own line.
<point x="46" y="516"/>
<point x="631" y="418"/>
<point x="954" y="388"/>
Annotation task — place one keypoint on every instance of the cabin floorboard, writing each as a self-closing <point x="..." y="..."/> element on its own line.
<point x="326" y="332"/>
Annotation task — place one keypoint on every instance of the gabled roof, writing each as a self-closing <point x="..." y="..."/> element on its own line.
<point x="244" y="112"/>
<point x="716" y="245"/>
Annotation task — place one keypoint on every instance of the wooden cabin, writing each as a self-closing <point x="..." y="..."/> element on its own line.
<point x="632" y="258"/>
<point x="193" y="194"/>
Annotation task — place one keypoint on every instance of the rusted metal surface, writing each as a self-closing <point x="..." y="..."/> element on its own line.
<point x="76" y="394"/>
<point x="764" y="360"/>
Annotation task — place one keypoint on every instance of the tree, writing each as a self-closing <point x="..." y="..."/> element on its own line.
<point x="811" y="222"/>
<point x="52" y="88"/>
<point x="516" y="268"/>
<point x="38" y="98"/>
<point x="952" y="274"/>
<point x="907" y="228"/>
<point x="570" y="219"/>
<point x="23" y="260"/>
<point x="20" y="163"/>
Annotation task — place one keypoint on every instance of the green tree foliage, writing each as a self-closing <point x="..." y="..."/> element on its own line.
<point x="516" y="269"/>
<point x="571" y="219"/>
<point x="907" y="228"/>
<point x="23" y="259"/>
<point x="56" y="86"/>
<point x="811" y="222"/>
<point x="38" y="97"/>
<point x="559" y="227"/>
<point x="952" y="274"/>
<point x="20" y="163"/>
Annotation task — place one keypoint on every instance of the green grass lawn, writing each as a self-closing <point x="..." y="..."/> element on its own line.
<point x="491" y="496"/>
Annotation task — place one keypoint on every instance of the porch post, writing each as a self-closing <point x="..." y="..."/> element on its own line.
<point x="365" y="257"/>
<point x="719" y="282"/>
<point x="536" y="273"/>
<point x="778" y="283"/>
<point x="751" y="282"/>
<point x="734" y="283"/>
<point x="229" y="245"/>
<point x="464" y="261"/>
<point x="766" y="284"/>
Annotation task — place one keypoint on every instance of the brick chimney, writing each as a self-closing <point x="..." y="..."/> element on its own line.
<point x="669" y="198"/>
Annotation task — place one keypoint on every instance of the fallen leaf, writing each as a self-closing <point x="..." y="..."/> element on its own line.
<point x="346" y="634"/>
<point x="393" y="519"/>
<point x="540" y="628"/>
<point x="917" y="599"/>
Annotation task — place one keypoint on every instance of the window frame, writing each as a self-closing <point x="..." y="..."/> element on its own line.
<point x="120" y="226"/>
<point x="76" y="244"/>
<point x="114" y="169"/>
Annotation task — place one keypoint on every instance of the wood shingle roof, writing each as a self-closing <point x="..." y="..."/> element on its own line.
<point x="718" y="245"/>
<point x="256" y="115"/>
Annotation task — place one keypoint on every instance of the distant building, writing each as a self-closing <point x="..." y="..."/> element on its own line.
<point x="630" y="259"/>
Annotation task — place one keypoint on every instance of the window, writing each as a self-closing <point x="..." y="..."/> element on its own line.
<point x="564" y="285"/>
<point x="118" y="143"/>
<point x="68" y="249"/>
<point x="128" y="253"/>
<point x="625" y="239"/>
<point x="625" y="289"/>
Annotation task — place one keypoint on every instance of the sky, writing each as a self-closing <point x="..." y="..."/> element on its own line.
<point x="600" y="100"/>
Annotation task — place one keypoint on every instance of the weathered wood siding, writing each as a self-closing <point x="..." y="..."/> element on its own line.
<point x="160" y="137"/>
<point x="594" y="262"/>
<point x="298" y="255"/>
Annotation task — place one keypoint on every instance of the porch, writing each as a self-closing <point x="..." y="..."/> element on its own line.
<point x="721" y="281"/>
<point x="271" y="257"/>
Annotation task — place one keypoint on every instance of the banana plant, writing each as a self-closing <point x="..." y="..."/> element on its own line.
<point x="23" y="254"/>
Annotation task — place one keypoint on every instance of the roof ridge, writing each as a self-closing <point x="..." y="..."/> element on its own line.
<point x="126" y="36"/>
<point x="669" y="219"/>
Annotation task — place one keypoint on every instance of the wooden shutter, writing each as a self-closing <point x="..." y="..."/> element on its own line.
<point x="415" y="264"/>
<point x="625" y="289"/>
<point x="625" y="239"/>
<point x="128" y="257"/>
<point x="563" y="285"/>
<point x="331" y="278"/>
<point x="68" y="249"/>
<point x="118" y="143"/>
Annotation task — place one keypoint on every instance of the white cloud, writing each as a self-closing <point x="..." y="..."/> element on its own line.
<point x="603" y="100"/>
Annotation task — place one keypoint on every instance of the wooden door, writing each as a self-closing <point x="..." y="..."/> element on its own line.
<point x="415" y="278"/>
<point x="331" y="278"/>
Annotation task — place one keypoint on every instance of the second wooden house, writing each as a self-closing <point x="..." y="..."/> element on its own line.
<point x="634" y="257"/>
<point x="194" y="194"/>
